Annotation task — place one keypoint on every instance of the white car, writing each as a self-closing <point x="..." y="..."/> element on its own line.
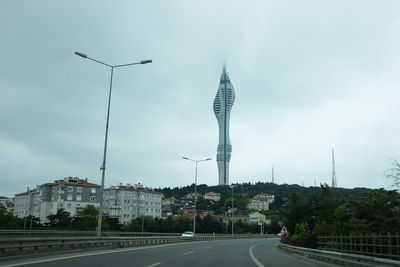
<point x="188" y="234"/>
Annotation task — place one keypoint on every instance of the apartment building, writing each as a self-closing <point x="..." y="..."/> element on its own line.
<point x="261" y="202"/>
<point x="170" y="201"/>
<point x="127" y="202"/>
<point x="71" y="194"/>
<point x="212" y="196"/>
<point x="27" y="203"/>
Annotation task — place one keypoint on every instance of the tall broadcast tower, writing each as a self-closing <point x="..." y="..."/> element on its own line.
<point x="222" y="109"/>
<point x="273" y="179"/>
<point x="334" y="184"/>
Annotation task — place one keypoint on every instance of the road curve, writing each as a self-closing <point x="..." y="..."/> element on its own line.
<point x="239" y="252"/>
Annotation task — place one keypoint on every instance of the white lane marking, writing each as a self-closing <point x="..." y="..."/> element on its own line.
<point x="187" y="253"/>
<point x="254" y="259"/>
<point x="90" y="254"/>
<point x="209" y="247"/>
<point x="155" y="264"/>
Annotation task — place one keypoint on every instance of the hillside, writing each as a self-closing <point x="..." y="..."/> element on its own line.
<point x="281" y="192"/>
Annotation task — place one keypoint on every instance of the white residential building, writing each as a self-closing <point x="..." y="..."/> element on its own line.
<point x="170" y="201"/>
<point x="261" y="202"/>
<point x="257" y="217"/>
<point x="127" y="202"/>
<point x="27" y="203"/>
<point x="212" y="196"/>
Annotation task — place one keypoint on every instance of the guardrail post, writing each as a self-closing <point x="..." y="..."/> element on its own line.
<point x="361" y="243"/>
<point x="374" y="244"/>
<point x="398" y="244"/>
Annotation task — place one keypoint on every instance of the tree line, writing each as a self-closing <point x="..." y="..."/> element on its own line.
<point x="86" y="220"/>
<point x="324" y="214"/>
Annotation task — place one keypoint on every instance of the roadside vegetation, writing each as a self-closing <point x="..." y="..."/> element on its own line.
<point x="377" y="211"/>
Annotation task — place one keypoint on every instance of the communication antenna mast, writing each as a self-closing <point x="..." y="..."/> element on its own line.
<point x="334" y="184"/>
<point x="273" y="180"/>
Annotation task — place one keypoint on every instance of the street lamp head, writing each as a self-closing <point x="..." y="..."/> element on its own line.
<point x="80" y="54"/>
<point x="146" y="61"/>
<point x="209" y="159"/>
<point x="185" y="158"/>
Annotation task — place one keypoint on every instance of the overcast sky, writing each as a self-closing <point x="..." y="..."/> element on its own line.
<point x="309" y="76"/>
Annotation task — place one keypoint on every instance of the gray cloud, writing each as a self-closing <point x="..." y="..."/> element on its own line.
<point x="308" y="76"/>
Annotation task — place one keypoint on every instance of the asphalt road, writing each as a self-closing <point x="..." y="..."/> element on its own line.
<point x="239" y="252"/>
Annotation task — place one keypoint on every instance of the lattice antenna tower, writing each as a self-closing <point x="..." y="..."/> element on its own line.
<point x="273" y="179"/>
<point x="334" y="183"/>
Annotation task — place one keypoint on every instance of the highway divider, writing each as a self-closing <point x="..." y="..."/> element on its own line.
<point x="15" y="246"/>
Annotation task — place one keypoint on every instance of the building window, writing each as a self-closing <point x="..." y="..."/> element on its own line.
<point x="69" y="197"/>
<point x="70" y="189"/>
<point x="93" y="190"/>
<point x="78" y="198"/>
<point x="69" y="206"/>
<point x="79" y="189"/>
<point x="91" y="199"/>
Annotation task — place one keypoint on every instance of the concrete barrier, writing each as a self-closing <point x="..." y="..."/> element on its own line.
<point x="12" y="246"/>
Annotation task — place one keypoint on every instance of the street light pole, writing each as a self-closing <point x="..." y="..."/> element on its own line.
<point x="232" y="210"/>
<point x="103" y="166"/>
<point x="195" y="190"/>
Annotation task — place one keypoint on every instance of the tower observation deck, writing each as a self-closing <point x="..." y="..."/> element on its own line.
<point x="223" y="103"/>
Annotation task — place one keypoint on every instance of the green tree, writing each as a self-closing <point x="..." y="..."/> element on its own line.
<point x="203" y="204"/>
<point x="60" y="220"/>
<point x="294" y="212"/>
<point x="324" y="205"/>
<point x="86" y="219"/>
<point x="182" y="224"/>
<point x="8" y="220"/>
<point x="378" y="212"/>
<point x="341" y="223"/>
<point x="301" y="235"/>
<point x="209" y="225"/>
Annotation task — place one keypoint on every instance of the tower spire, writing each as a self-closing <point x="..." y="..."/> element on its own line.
<point x="334" y="184"/>
<point x="222" y="106"/>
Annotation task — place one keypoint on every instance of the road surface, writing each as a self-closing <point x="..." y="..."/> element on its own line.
<point x="238" y="252"/>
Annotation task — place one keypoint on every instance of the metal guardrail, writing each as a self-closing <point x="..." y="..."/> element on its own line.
<point x="28" y="245"/>
<point x="42" y="233"/>
<point x="378" y="245"/>
<point x="5" y="233"/>
<point x="343" y="259"/>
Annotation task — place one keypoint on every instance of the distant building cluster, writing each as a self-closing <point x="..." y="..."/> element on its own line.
<point x="125" y="202"/>
<point x="73" y="194"/>
<point x="185" y="206"/>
